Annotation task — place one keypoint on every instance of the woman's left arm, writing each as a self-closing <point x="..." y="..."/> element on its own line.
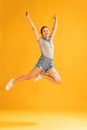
<point x="54" y="27"/>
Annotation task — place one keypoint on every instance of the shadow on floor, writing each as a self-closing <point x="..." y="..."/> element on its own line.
<point x="16" y="124"/>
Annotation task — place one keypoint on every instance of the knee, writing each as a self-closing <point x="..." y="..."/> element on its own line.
<point x="58" y="79"/>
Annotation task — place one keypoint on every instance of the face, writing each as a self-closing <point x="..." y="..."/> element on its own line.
<point x="46" y="32"/>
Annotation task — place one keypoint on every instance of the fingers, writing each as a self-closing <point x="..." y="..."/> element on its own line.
<point x="27" y="13"/>
<point x="55" y="17"/>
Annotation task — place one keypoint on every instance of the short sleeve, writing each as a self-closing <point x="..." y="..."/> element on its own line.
<point x="40" y="41"/>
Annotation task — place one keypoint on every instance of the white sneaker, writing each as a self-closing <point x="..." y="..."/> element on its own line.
<point x="38" y="77"/>
<point x="9" y="84"/>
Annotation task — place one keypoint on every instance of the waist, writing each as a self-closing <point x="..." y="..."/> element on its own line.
<point x="46" y="57"/>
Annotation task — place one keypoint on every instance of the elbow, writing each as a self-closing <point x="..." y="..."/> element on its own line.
<point x="33" y="28"/>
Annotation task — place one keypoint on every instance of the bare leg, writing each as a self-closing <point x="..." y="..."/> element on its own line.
<point x="52" y="75"/>
<point x="47" y="77"/>
<point x="28" y="76"/>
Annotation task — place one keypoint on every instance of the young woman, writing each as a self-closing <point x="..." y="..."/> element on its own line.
<point x="44" y="67"/>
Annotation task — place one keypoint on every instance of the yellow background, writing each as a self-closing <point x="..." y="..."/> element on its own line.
<point x="19" y="53"/>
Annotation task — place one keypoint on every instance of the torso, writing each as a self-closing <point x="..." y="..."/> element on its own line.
<point x="46" y="47"/>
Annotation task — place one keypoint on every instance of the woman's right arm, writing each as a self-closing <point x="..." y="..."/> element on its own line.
<point x="32" y="26"/>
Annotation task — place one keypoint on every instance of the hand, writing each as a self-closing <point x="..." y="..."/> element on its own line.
<point x="55" y="17"/>
<point x="27" y="13"/>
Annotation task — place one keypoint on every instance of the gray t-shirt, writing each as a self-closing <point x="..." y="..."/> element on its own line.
<point x="46" y="47"/>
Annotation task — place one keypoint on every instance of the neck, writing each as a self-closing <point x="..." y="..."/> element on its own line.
<point x="47" y="38"/>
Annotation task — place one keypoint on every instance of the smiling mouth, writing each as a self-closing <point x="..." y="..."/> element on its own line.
<point x="47" y="33"/>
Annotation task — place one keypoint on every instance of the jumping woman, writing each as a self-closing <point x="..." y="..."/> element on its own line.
<point x="44" y="67"/>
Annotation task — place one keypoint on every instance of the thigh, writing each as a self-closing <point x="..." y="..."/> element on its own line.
<point x="54" y="73"/>
<point x="35" y="72"/>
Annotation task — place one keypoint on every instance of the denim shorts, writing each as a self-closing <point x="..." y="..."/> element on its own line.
<point x="45" y="63"/>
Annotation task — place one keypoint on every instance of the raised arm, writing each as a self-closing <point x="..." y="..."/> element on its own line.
<point x="33" y="26"/>
<point x="54" y="27"/>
